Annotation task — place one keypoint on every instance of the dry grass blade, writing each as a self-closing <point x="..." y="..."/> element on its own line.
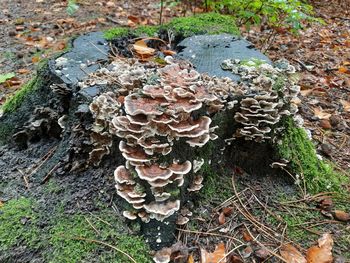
<point x="107" y="245"/>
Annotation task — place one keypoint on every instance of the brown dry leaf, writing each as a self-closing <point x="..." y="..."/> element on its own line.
<point x="227" y="211"/>
<point x="291" y="254"/>
<point x="23" y="71"/>
<point x="35" y="59"/>
<point x="343" y="70"/>
<point x="346" y="105"/>
<point x="318" y="112"/>
<point x="246" y="236"/>
<point x="168" y="52"/>
<point x="341" y="215"/>
<point x="142" y="49"/>
<point x="322" y="253"/>
<point x="217" y="256"/>
<point x="1" y="203"/>
<point x="306" y="92"/>
<point x="190" y="259"/>
<point x="236" y="259"/>
<point x="222" y="218"/>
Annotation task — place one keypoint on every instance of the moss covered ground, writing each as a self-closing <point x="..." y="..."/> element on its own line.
<point x="68" y="238"/>
<point x="317" y="174"/>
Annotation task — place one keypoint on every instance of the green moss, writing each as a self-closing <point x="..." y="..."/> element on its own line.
<point x="17" y="224"/>
<point x="298" y="218"/>
<point x="148" y="31"/>
<point x="300" y="151"/>
<point x="141" y="31"/>
<point x="207" y="23"/>
<point x="65" y="246"/>
<point x="52" y="187"/>
<point x="12" y="103"/>
<point x="116" y="32"/>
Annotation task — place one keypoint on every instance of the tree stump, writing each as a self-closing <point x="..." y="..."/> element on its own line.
<point x="160" y="127"/>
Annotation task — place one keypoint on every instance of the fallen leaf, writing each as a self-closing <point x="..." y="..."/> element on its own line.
<point x="291" y="255"/>
<point x="236" y="259"/>
<point x="247" y="237"/>
<point x="326" y="203"/>
<point x="227" y="211"/>
<point x="35" y="59"/>
<point x="217" y="256"/>
<point x="322" y="253"/>
<point x="346" y="105"/>
<point x="222" y="218"/>
<point x="1" y="203"/>
<point x="169" y="52"/>
<point x="344" y="70"/>
<point x="262" y="254"/>
<point x="325" y="124"/>
<point x="23" y="71"/>
<point x="306" y="92"/>
<point x="342" y="216"/>
<point x="142" y="49"/>
<point x="190" y="259"/>
<point x="319" y="113"/>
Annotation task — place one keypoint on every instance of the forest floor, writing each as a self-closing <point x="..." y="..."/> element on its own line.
<point x="35" y="30"/>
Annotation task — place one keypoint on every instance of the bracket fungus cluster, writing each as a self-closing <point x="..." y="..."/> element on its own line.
<point x="155" y="110"/>
<point x="268" y="96"/>
<point x="149" y="120"/>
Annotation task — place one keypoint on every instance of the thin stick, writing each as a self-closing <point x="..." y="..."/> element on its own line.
<point x="50" y="172"/>
<point x="43" y="159"/>
<point x="100" y="219"/>
<point x="232" y="250"/>
<point x="104" y="53"/>
<point x="87" y="220"/>
<point x="208" y="234"/>
<point x="161" y="12"/>
<point x="26" y="181"/>
<point x="105" y="244"/>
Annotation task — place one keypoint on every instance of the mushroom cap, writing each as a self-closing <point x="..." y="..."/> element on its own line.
<point x="165" y="209"/>
<point x="183" y="168"/>
<point x="123" y="176"/>
<point x="129" y="215"/>
<point x="163" y="256"/>
<point x="135" y="105"/>
<point x="153" y="172"/>
<point x="182" y="220"/>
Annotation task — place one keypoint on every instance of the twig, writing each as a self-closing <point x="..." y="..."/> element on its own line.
<point x="232" y="250"/>
<point x="251" y="218"/>
<point x="25" y="179"/>
<point x="161" y="12"/>
<point x="101" y="219"/>
<point x="87" y="220"/>
<point x="104" y="53"/>
<point x="50" y="173"/>
<point x="43" y="160"/>
<point x="301" y="207"/>
<point x="107" y="245"/>
<point x="209" y="234"/>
